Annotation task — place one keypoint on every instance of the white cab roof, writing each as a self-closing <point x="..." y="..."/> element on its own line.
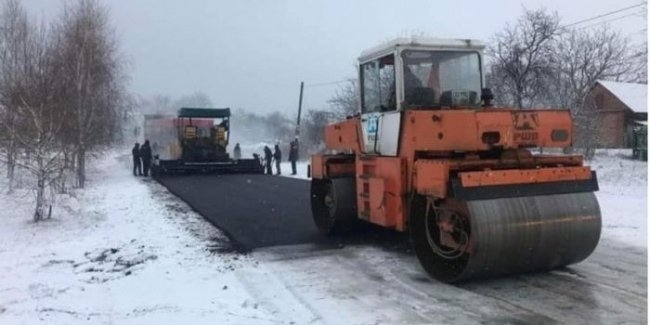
<point x="421" y="43"/>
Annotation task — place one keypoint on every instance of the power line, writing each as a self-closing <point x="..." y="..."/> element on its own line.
<point x="609" y="20"/>
<point x="603" y="15"/>
<point x="320" y="84"/>
<point x="327" y="83"/>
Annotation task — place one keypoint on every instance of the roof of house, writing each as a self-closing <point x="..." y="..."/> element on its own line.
<point x="634" y="96"/>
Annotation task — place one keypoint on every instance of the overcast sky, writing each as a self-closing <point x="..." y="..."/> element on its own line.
<point x="253" y="54"/>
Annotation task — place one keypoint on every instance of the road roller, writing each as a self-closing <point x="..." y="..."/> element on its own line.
<point x="429" y="154"/>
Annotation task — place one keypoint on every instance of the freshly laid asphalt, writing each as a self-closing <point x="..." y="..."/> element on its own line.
<point x="262" y="210"/>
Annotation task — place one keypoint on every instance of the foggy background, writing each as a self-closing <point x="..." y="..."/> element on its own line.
<point x="253" y="54"/>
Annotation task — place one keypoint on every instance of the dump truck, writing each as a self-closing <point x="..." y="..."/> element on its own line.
<point x="195" y="141"/>
<point x="431" y="156"/>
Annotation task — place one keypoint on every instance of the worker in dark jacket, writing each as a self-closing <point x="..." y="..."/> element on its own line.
<point x="237" y="151"/>
<point x="277" y="155"/>
<point x="268" y="157"/>
<point x="137" y="162"/>
<point x="293" y="155"/>
<point x="145" y="154"/>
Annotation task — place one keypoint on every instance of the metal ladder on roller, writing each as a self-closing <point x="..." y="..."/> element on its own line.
<point x="368" y="165"/>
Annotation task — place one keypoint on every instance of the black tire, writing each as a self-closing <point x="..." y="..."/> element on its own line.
<point x="333" y="205"/>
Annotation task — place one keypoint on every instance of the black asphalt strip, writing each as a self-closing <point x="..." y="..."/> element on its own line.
<point x="261" y="210"/>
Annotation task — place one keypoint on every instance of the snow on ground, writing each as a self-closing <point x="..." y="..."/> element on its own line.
<point x="622" y="196"/>
<point x="301" y="169"/>
<point x="121" y="253"/>
<point x="124" y="251"/>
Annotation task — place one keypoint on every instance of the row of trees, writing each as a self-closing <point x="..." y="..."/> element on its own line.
<point x="167" y="105"/>
<point x="63" y="96"/>
<point x="62" y="93"/>
<point x="343" y="103"/>
<point x="535" y="63"/>
<point x="538" y="63"/>
<point x="278" y="127"/>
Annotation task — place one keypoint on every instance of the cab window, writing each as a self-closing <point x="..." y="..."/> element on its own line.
<point x="441" y="78"/>
<point x="378" y="85"/>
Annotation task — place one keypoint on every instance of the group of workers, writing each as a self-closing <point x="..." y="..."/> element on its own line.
<point x="275" y="156"/>
<point x="141" y="159"/>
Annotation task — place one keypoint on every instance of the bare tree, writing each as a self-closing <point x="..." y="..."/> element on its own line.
<point x="583" y="57"/>
<point x="93" y="79"/>
<point x="639" y="60"/>
<point x="165" y="104"/>
<point x="62" y="93"/>
<point x="345" y="101"/>
<point x="279" y="126"/>
<point x="13" y="41"/>
<point x="520" y="57"/>
<point x="197" y="99"/>
<point x="313" y="130"/>
<point x="33" y="94"/>
<point x="157" y="104"/>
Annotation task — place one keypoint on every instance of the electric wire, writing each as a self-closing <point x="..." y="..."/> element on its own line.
<point x="320" y="84"/>
<point x="608" y="20"/>
<point x="603" y="15"/>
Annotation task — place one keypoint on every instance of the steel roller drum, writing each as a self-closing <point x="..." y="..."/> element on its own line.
<point x="523" y="234"/>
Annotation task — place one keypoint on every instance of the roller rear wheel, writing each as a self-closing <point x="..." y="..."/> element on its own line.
<point x="333" y="205"/>
<point x="457" y="240"/>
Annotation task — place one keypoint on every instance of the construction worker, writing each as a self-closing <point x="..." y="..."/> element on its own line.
<point x="277" y="155"/>
<point x="155" y="147"/>
<point x="137" y="162"/>
<point x="237" y="151"/>
<point x="293" y="155"/>
<point x="268" y="157"/>
<point x="145" y="154"/>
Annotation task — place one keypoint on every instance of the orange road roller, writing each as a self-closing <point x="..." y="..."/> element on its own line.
<point x="429" y="154"/>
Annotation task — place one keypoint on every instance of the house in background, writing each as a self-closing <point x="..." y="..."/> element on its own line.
<point x="620" y="108"/>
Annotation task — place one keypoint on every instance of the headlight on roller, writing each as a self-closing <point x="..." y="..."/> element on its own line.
<point x="559" y="135"/>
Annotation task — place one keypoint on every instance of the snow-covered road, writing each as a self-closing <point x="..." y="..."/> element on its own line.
<point x="127" y="252"/>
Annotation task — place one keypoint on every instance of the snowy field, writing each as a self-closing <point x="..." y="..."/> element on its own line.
<point x="124" y="251"/>
<point x="623" y="197"/>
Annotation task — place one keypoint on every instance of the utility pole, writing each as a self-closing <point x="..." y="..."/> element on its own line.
<point x="302" y="86"/>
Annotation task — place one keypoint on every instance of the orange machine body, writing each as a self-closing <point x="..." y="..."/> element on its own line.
<point x="429" y="154"/>
<point x="449" y="153"/>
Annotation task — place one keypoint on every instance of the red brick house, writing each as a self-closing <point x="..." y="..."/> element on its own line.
<point x="620" y="107"/>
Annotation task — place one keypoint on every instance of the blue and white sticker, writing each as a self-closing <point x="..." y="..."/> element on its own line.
<point x="371" y="131"/>
<point x="372" y="124"/>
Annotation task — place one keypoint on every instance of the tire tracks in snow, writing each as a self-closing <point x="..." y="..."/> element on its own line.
<point x="277" y="297"/>
<point x="393" y="284"/>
